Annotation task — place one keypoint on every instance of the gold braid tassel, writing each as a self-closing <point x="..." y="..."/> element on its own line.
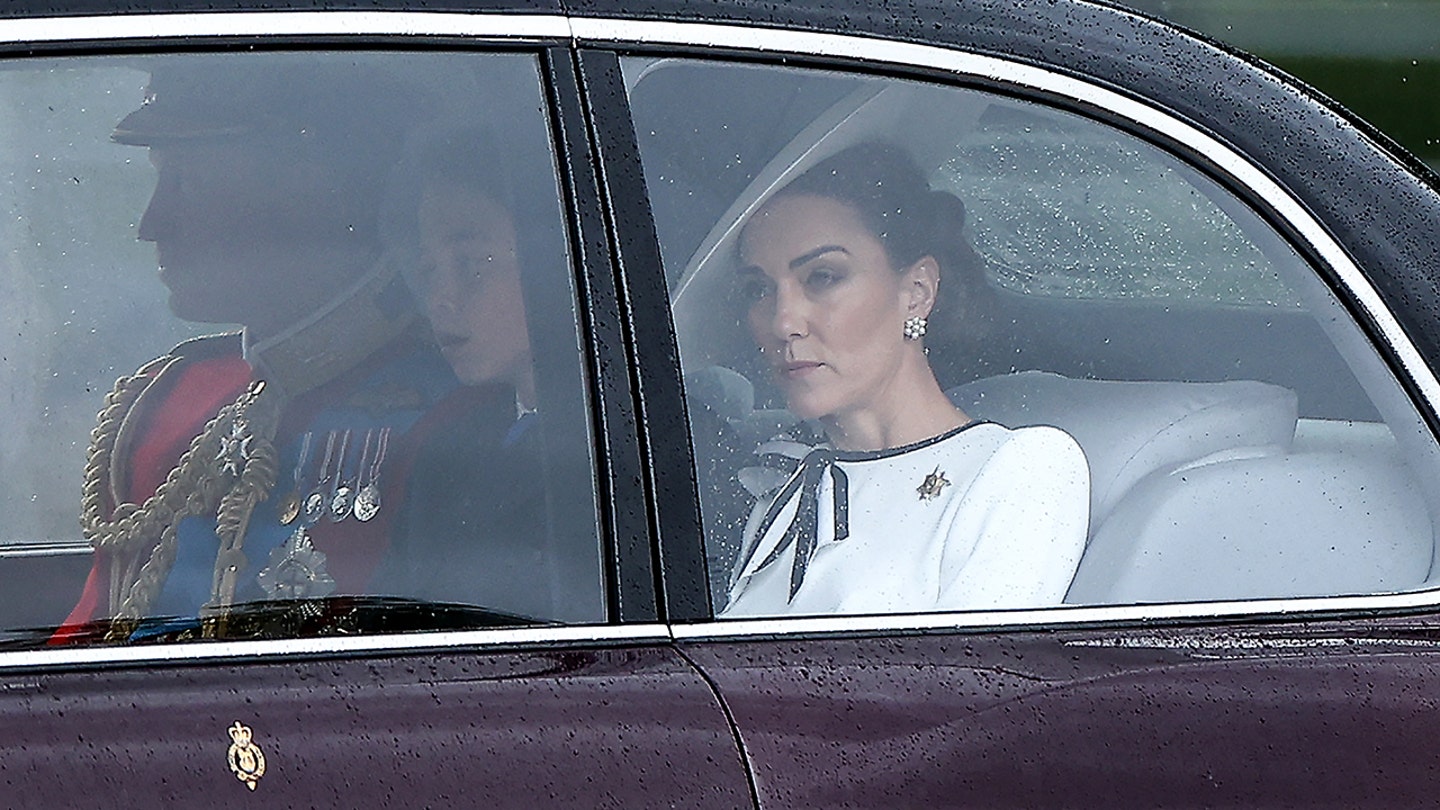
<point x="128" y="523"/>
<point x="255" y="425"/>
<point x="205" y="473"/>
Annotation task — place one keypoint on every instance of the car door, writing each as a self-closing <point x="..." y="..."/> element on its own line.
<point x="436" y="688"/>
<point x="1250" y="621"/>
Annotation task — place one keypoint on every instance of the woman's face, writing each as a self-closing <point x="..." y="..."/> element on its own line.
<point x="825" y="307"/>
<point x="468" y="281"/>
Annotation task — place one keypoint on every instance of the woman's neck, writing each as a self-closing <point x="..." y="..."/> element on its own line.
<point x="908" y="413"/>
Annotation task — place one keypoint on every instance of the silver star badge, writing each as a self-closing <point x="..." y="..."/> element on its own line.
<point x="297" y="570"/>
<point x="234" y="449"/>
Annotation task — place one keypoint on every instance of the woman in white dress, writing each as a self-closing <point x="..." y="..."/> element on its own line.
<point x="906" y="504"/>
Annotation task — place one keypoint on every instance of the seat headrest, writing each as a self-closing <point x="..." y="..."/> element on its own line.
<point x="1130" y="429"/>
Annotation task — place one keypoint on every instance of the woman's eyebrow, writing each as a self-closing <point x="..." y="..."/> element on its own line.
<point x="815" y="254"/>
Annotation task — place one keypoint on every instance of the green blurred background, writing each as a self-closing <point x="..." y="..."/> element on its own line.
<point x="1378" y="58"/>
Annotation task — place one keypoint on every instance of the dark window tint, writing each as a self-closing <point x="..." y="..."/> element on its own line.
<point x="373" y="417"/>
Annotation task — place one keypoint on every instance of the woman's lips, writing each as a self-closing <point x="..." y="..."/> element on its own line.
<point x="797" y="369"/>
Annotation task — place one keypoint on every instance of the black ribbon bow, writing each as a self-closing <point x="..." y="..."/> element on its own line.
<point x="804" y="531"/>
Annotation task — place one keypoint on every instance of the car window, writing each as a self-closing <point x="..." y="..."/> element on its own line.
<point x="336" y="294"/>
<point x="1149" y="394"/>
<point x="1060" y="206"/>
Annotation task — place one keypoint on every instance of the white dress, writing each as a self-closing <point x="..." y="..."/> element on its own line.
<point x="982" y="517"/>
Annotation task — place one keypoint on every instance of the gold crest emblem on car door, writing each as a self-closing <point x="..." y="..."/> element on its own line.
<point x="246" y="760"/>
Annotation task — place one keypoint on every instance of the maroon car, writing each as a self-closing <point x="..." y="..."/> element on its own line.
<point x="431" y="465"/>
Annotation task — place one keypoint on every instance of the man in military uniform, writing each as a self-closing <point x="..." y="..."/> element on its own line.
<point x="266" y="463"/>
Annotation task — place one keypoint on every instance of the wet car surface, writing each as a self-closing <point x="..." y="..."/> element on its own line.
<point x="1220" y="285"/>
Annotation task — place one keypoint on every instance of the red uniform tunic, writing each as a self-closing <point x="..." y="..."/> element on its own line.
<point x="390" y="390"/>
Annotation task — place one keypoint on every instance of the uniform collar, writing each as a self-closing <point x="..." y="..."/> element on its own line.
<point x="364" y="317"/>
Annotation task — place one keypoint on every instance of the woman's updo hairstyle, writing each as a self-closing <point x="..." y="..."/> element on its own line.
<point x="885" y="187"/>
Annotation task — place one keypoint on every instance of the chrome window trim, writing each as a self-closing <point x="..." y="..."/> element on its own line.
<point x="743" y="39"/>
<point x="126" y="27"/>
<point x="140" y="27"/>
<point x="1221" y="158"/>
<point x="45" y="550"/>
<point x="1057" y="617"/>
<point x="272" y="650"/>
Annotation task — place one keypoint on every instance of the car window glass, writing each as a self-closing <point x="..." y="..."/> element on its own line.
<point x="1062" y="207"/>
<point x="1240" y="437"/>
<point x="373" y="417"/>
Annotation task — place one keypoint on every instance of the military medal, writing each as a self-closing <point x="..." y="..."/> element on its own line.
<point x="314" y="505"/>
<point x="289" y="507"/>
<point x="929" y="489"/>
<point x="342" y="490"/>
<point x="367" y="500"/>
<point x="360" y="471"/>
<point x="296" y="570"/>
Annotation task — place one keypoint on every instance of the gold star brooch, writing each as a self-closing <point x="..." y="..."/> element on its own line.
<point x="929" y="489"/>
